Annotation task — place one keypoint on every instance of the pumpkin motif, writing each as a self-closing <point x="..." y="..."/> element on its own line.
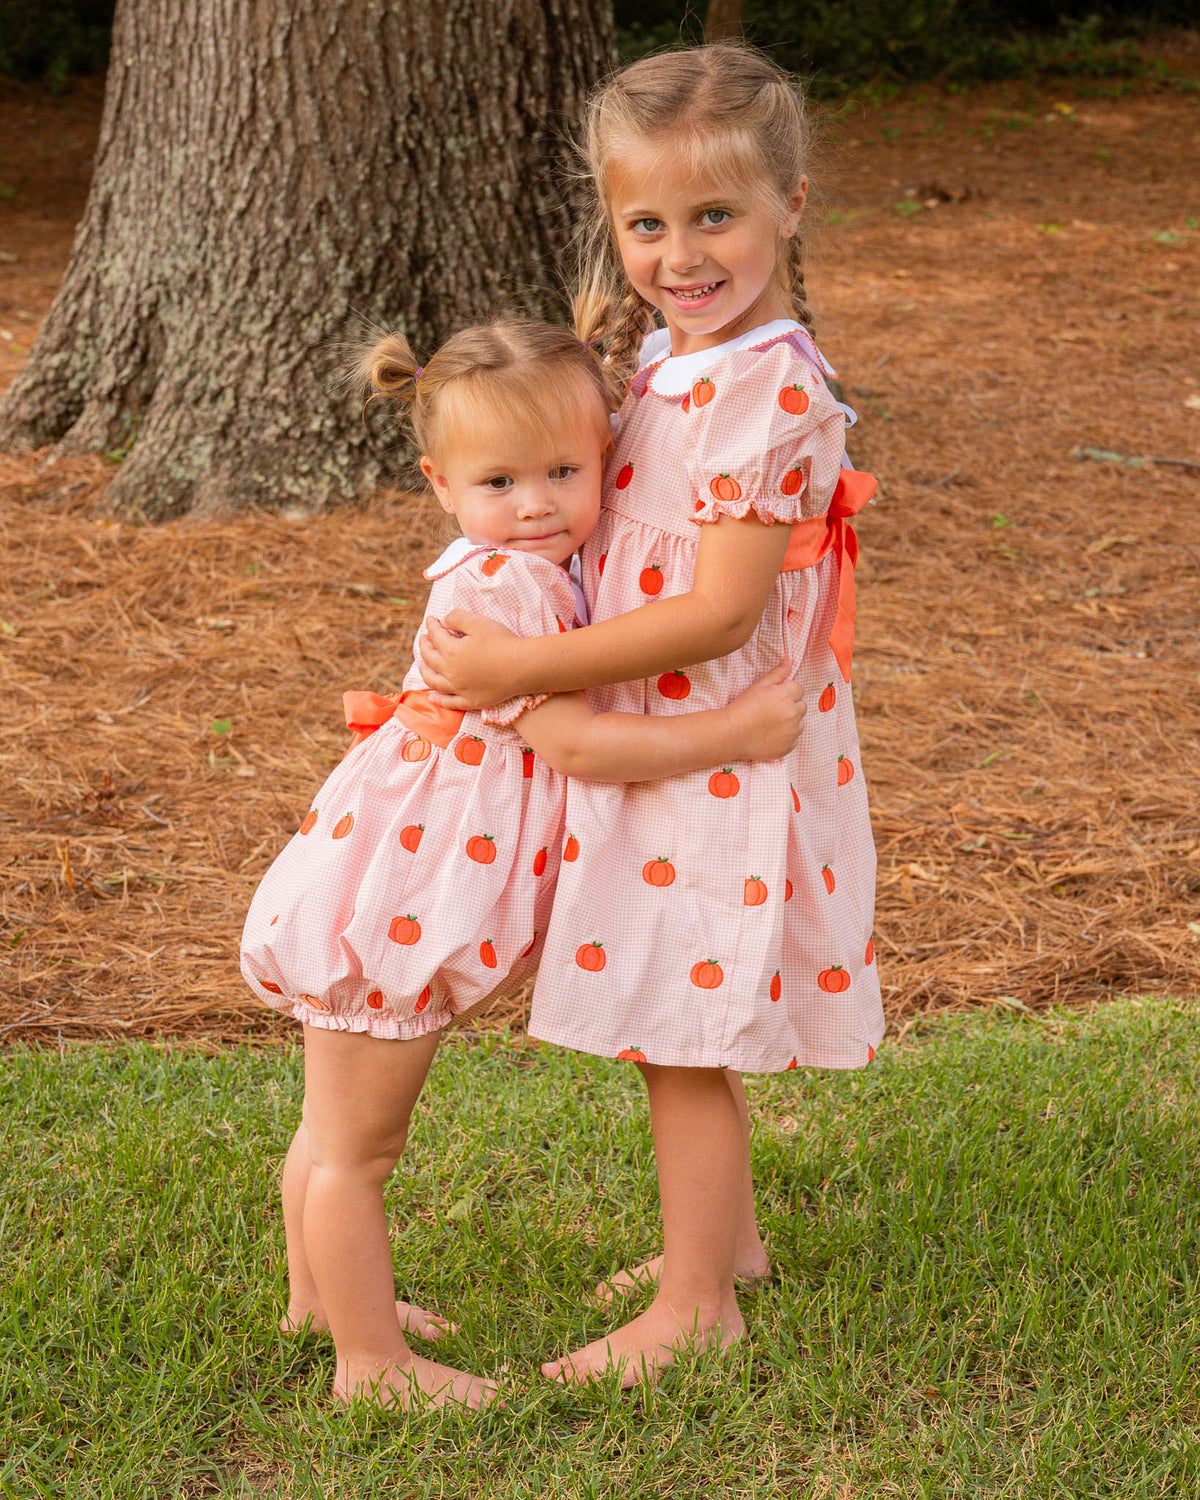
<point x="562" y="629"/>
<point x="687" y="403"/>
<point x="481" y="847"/>
<point x="625" y="476"/>
<point x="725" y="487"/>
<point x="698" y="505"/>
<point x="794" y="399"/>
<point x="527" y="765"/>
<point x="659" y="872"/>
<point x="869" y="955"/>
<point x="870" y="1054"/>
<point x="827" y="877"/>
<point x="405" y="930"/>
<point x="724" y="783"/>
<point x="650" y="580"/>
<point x="845" y="770"/>
<point x="269" y="984"/>
<point x="423" y="999"/>
<point x="790" y="1066"/>
<point x="755" y="892"/>
<point x="525" y="952"/>
<point x="591" y="956"/>
<point x="539" y="862"/>
<point x="795" y="800"/>
<point x="776" y="986"/>
<point x="789" y="890"/>
<point x="571" y="849"/>
<point x="310" y="821"/>
<point x="707" y="974"/>
<point x="631" y="1054"/>
<point x="273" y="920"/>
<point x="674" y="685"/>
<point x="375" y="999"/>
<point x="343" y="826"/>
<point x="703" y="391"/>
<point x="834" y="980"/>
<point x="416" y="749"/>
<point x="410" y="837"/>
<point x="492" y="564"/>
<point x="828" y="698"/>
<point x="470" y="750"/>
<point x="318" y="1003"/>
<point x="792" y="481"/>
<point x="600" y="564"/>
<point x="487" y="954"/>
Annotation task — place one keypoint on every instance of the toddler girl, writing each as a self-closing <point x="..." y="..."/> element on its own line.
<point x="422" y="877"/>
<point x="734" y="908"/>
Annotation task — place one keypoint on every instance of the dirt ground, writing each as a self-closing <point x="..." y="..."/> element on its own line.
<point x="1009" y="280"/>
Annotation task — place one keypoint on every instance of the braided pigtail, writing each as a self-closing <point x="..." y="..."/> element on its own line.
<point x="793" y="281"/>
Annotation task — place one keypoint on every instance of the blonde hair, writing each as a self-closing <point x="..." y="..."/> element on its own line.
<point x="724" y="90"/>
<point x="518" y="371"/>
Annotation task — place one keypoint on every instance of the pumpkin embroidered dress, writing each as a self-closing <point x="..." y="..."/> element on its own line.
<point x="721" y="918"/>
<point x="422" y="877"/>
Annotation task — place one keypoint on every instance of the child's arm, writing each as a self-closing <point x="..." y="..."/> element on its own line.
<point x="737" y="563"/>
<point x="763" y="723"/>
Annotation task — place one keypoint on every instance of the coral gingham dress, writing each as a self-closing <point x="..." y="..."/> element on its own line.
<point x="721" y="918"/>
<point x="421" y="880"/>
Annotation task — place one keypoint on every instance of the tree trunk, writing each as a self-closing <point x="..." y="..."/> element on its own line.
<point x="723" y="20"/>
<point x="266" y="175"/>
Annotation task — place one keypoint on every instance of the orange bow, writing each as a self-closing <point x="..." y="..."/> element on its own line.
<point x="811" y="540"/>
<point x="366" y="711"/>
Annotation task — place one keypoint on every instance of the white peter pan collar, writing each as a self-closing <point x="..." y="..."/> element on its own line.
<point x="676" y="375"/>
<point x="461" y="548"/>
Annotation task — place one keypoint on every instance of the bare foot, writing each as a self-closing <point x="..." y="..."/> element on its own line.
<point x="422" y="1382"/>
<point x="749" y="1271"/>
<point x="425" y="1325"/>
<point x="639" y="1349"/>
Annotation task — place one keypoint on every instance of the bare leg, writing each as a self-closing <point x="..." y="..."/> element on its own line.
<point x="304" y="1310"/>
<point x="359" y="1094"/>
<point x="699" y="1143"/>
<point x="750" y="1261"/>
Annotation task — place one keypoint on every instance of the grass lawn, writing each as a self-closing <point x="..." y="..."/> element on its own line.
<point x="986" y="1246"/>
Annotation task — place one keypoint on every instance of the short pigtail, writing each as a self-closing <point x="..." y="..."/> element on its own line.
<point x="387" y="367"/>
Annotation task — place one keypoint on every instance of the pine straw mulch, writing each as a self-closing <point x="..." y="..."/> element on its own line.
<point x="1026" y="671"/>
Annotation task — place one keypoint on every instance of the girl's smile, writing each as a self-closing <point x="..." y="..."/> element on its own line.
<point x="704" y="254"/>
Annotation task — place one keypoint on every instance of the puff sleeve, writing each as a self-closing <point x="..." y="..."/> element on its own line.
<point x="768" y="437"/>
<point x="527" y="594"/>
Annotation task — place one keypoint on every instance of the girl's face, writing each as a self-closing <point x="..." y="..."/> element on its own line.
<point x="505" y="494"/>
<point x="703" y="254"/>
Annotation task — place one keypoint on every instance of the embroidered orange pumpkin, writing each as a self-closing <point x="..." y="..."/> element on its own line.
<point x="659" y="872"/>
<point x="481" y="847"/>
<point x="703" y="391"/>
<point x="870" y="1054"/>
<point x="625" y="476"/>
<point x="834" y="980"/>
<point x="343" y="826"/>
<point x="698" y="505"/>
<point x="487" y="954"/>
<point x="410" y="837"/>
<point x="591" y="956"/>
<point x="269" y="984"/>
<point x="416" y="749"/>
<point x="707" y="974"/>
<point x="794" y="399"/>
<point x="562" y="629"/>
<point x="525" y="952"/>
<point x="423" y="999"/>
<point x="725" y="487"/>
<point x="776" y="986"/>
<point x="527" y="765"/>
<point x="795" y="800"/>
<point x="492" y="564"/>
<point x="470" y="750"/>
<point x="375" y="999"/>
<point x="827" y="877"/>
<point x="869" y="956"/>
<point x="600" y="564"/>
<point x="539" y="862"/>
<point x="273" y="920"/>
<point x="687" y="403"/>
<point x="310" y="821"/>
<point x="792" y="481"/>
<point x="674" y="685"/>
<point x="845" y="770"/>
<point x="789" y="890"/>
<point x="318" y="1003"/>
<point x="724" y="783"/>
<point x="571" y="849"/>
<point x="828" y="698"/>
<point x="631" y="1054"/>
<point x="790" y="1066"/>
<point x="405" y="931"/>
<point x="650" y="580"/>
<point x="755" y="892"/>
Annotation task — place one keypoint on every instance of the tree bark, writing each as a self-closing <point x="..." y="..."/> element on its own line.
<point x="266" y="175"/>
<point x="723" y="20"/>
